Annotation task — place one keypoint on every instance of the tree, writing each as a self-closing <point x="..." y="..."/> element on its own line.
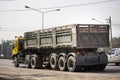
<point x="6" y="48"/>
<point x="116" y="42"/>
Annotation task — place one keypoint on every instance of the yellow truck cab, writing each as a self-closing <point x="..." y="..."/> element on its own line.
<point x="18" y="46"/>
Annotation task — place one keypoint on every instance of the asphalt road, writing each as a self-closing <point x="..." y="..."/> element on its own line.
<point x="9" y="72"/>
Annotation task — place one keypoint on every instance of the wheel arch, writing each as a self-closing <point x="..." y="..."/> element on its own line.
<point x="71" y="54"/>
<point x="61" y="54"/>
<point x="53" y="54"/>
<point x="14" y="56"/>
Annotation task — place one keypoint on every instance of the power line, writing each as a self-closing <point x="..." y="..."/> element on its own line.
<point x="14" y="10"/>
<point x="67" y="6"/>
<point x="27" y="29"/>
<point x="13" y="30"/>
<point x="116" y="24"/>
<point x="6" y="0"/>
<point x="84" y="4"/>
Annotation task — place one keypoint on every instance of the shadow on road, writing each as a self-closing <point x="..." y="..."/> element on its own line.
<point x="23" y="76"/>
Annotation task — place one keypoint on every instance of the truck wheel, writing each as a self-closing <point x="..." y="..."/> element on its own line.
<point x="62" y="64"/>
<point x="33" y="62"/>
<point x="36" y="62"/>
<point x="71" y="65"/>
<point x="53" y="61"/>
<point x="27" y="62"/>
<point x="16" y="64"/>
<point x="117" y="64"/>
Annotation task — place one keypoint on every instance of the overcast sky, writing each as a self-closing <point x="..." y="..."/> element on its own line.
<point x="15" y="19"/>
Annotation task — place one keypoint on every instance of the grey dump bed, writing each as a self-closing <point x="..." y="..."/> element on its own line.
<point x="75" y="35"/>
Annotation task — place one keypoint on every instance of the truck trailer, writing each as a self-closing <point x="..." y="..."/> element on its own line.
<point x="71" y="47"/>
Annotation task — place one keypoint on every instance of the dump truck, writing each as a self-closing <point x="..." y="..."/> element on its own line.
<point x="70" y="47"/>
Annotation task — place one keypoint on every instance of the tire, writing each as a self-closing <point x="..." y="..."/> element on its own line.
<point x="53" y="61"/>
<point x="33" y="63"/>
<point x="27" y="62"/>
<point x="16" y="64"/>
<point x="71" y="64"/>
<point x="117" y="64"/>
<point x="62" y="63"/>
<point x="36" y="62"/>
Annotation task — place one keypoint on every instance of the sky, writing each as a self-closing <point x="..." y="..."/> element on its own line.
<point x="15" y="19"/>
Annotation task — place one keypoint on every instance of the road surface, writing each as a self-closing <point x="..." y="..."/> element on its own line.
<point x="9" y="72"/>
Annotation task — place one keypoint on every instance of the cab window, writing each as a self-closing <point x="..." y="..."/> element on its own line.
<point x="112" y="52"/>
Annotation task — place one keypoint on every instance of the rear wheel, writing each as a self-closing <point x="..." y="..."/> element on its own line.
<point x="16" y="64"/>
<point x="36" y="62"/>
<point x="62" y="64"/>
<point x="27" y="62"/>
<point x="33" y="62"/>
<point x="53" y="61"/>
<point x="71" y="64"/>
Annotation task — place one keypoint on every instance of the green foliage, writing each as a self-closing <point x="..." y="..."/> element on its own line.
<point x="6" y="48"/>
<point x="116" y="42"/>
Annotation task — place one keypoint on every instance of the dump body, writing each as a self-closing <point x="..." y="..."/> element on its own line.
<point x="74" y="36"/>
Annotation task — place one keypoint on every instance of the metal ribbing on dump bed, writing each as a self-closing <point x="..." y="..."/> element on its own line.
<point x="92" y="36"/>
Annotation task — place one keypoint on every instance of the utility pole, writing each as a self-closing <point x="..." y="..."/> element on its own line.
<point x="110" y="31"/>
<point x="2" y="48"/>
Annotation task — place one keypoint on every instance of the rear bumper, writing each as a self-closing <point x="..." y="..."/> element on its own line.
<point x="91" y="60"/>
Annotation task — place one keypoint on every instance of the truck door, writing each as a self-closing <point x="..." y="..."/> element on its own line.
<point x="15" y="47"/>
